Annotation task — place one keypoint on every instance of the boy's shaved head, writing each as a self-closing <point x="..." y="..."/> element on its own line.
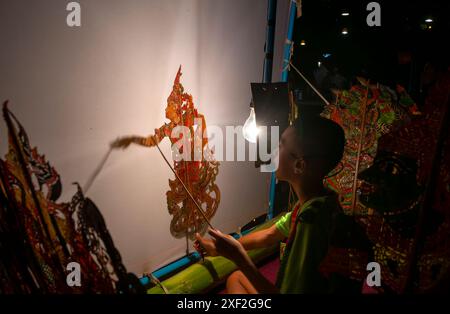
<point x="320" y="140"/>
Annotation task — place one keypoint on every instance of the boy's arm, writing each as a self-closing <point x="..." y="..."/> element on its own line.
<point x="259" y="239"/>
<point x="262" y="238"/>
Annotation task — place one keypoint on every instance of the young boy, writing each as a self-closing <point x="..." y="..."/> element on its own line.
<point x="309" y="150"/>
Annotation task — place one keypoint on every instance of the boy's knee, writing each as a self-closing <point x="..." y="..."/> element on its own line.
<point x="233" y="284"/>
<point x="237" y="283"/>
<point x="234" y="277"/>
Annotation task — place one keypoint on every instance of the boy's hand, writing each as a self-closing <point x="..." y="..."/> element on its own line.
<point x="222" y="244"/>
<point x="202" y="244"/>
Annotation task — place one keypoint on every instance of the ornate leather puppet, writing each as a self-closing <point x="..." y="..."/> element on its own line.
<point x="194" y="164"/>
<point x="408" y="190"/>
<point x="40" y="236"/>
<point x="365" y="112"/>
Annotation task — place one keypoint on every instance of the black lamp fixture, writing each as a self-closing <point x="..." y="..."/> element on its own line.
<point x="271" y="108"/>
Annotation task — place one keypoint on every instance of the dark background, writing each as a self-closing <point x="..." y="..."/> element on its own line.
<point x="394" y="53"/>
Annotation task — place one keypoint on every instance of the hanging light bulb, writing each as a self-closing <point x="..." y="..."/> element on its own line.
<point x="250" y="130"/>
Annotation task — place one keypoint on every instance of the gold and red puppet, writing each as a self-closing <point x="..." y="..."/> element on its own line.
<point x="196" y="165"/>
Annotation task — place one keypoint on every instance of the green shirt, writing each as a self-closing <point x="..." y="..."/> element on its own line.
<point x="299" y="270"/>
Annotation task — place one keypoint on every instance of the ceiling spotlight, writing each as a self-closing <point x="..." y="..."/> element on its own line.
<point x="429" y="20"/>
<point x="302" y="43"/>
<point x="344" y="31"/>
<point x="345" y="13"/>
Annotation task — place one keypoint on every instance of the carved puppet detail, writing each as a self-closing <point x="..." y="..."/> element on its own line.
<point x="198" y="174"/>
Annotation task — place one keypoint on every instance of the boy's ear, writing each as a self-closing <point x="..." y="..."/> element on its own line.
<point x="299" y="166"/>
